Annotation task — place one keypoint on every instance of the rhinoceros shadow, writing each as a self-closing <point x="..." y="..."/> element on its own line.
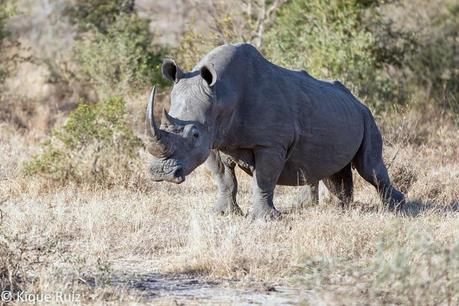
<point x="417" y="207"/>
<point x="412" y="208"/>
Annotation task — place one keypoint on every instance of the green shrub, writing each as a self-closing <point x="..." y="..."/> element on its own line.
<point x="114" y="50"/>
<point x="120" y="60"/>
<point x="333" y="40"/>
<point x="6" y="11"/>
<point x="94" y="145"/>
<point x="99" y="14"/>
<point x="434" y="65"/>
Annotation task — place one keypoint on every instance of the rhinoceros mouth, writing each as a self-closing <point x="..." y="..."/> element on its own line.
<point x="175" y="175"/>
<point x="178" y="177"/>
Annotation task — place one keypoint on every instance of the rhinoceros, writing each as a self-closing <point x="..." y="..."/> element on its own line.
<point x="281" y="126"/>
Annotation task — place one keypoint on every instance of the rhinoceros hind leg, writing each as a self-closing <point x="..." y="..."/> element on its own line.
<point x="379" y="178"/>
<point x="223" y="173"/>
<point x="340" y="185"/>
<point x="370" y="165"/>
<point x="309" y="195"/>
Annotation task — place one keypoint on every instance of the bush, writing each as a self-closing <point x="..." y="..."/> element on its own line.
<point x="333" y="40"/>
<point x="93" y="146"/>
<point x="99" y="14"/>
<point x="434" y="66"/>
<point x="114" y="50"/>
<point x="6" y="11"/>
<point x="120" y="60"/>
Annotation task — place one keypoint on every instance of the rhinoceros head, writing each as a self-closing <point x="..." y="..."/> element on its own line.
<point x="185" y="136"/>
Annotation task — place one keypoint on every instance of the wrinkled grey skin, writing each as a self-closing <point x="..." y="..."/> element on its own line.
<point x="282" y="127"/>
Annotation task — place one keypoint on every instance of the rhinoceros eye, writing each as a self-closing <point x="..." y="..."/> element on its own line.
<point x="191" y="133"/>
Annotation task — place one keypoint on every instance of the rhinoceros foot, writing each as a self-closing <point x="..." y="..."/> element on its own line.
<point x="226" y="206"/>
<point x="394" y="199"/>
<point x="266" y="213"/>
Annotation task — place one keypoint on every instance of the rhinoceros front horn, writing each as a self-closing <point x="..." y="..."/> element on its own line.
<point x="160" y="145"/>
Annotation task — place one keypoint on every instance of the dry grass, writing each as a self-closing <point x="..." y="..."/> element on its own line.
<point x="76" y="238"/>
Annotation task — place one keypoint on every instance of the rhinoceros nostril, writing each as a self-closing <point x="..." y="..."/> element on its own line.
<point x="178" y="175"/>
<point x="178" y="172"/>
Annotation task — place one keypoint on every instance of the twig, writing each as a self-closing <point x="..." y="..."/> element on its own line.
<point x="393" y="159"/>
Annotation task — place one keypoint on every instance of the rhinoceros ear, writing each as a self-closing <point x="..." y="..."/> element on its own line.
<point x="209" y="74"/>
<point x="171" y="70"/>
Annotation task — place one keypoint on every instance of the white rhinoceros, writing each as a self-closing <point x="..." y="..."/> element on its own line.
<point x="282" y="127"/>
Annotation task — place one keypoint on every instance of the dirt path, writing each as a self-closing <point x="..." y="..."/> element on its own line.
<point x="186" y="289"/>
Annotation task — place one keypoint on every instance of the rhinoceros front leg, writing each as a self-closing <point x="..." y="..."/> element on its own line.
<point x="223" y="173"/>
<point x="268" y="166"/>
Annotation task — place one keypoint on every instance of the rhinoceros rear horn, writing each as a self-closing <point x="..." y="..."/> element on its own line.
<point x="160" y="145"/>
<point x="166" y="119"/>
